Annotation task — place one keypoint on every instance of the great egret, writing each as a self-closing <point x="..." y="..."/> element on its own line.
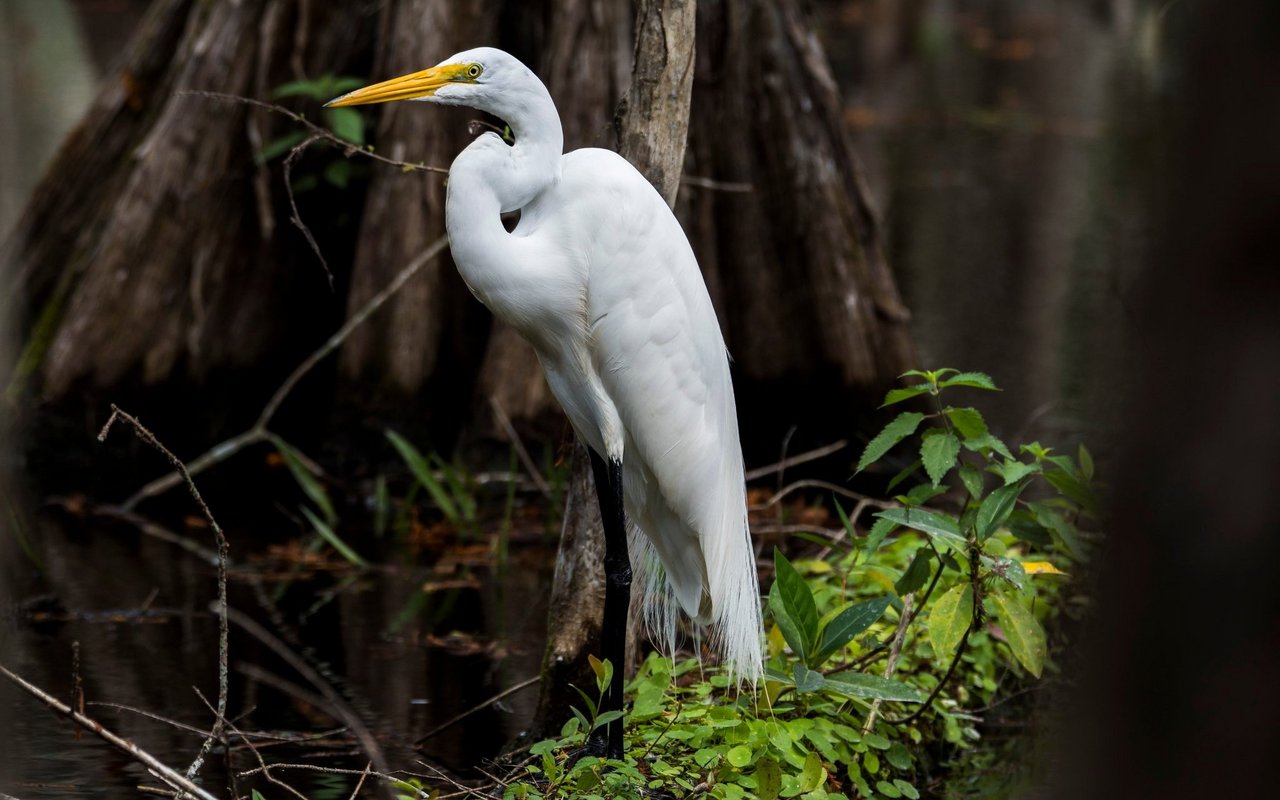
<point x="600" y="279"/>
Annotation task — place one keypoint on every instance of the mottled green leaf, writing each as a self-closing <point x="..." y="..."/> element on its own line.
<point x="768" y="779"/>
<point x="1021" y="630"/>
<point x="806" y="679"/>
<point x="941" y="527"/>
<point x="939" y="455"/>
<point x="903" y="426"/>
<point x="739" y="756"/>
<point x="872" y="687"/>
<point x="949" y="619"/>
<point x="849" y="623"/>
<point x="813" y="775"/>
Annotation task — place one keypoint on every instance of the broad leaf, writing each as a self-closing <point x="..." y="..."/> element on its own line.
<point x="1014" y="471"/>
<point x="1074" y="489"/>
<point x="806" y="679"/>
<point x="849" y="623"/>
<point x="346" y="124"/>
<point x="968" y="421"/>
<point x="813" y="775"/>
<point x="940" y="527"/>
<point x="1064" y="532"/>
<point x="1021" y="631"/>
<point x="1041" y="568"/>
<point x="971" y="477"/>
<point x="903" y="426"/>
<point x="939" y="455"/>
<point x="996" y="509"/>
<point x="987" y="443"/>
<point x="898" y="395"/>
<point x="921" y="494"/>
<point x="872" y="687"/>
<point x="879" y="529"/>
<point x="782" y="618"/>
<point x="768" y="779"/>
<point x="916" y="574"/>
<point x="796" y="600"/>
<point x="977" y="380"/>
<point x="949" y="618"/>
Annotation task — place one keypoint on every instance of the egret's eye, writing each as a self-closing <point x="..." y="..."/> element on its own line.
<point x="474" y="71"/>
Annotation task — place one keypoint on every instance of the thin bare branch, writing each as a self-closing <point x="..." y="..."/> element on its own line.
<point x="215" y="733"/>
<point x="521" y="452"/>
<point x="478" y="707"/>
<point x="800" y="458"/>
<point x="170" y="776"/>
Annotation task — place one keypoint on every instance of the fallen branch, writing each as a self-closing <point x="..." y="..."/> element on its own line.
<point x="477" y="707"/>
<point x="183" y="785"/>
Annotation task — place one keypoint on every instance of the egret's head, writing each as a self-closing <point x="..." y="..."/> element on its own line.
<point x="472" y="78"/>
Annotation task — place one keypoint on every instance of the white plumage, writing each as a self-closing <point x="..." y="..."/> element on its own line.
<point x="600" y="279"/>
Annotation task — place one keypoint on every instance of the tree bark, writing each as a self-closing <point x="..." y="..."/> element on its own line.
<point x="652" y="128"/>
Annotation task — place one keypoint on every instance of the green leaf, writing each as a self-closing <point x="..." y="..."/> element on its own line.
<point x="346" y="124"/>
<point x="898" y="395"/>
<point x="1064" y="532"/>
<point x="739" y="756"/>
<point x="920" y="495"/>
<point x="939" y="455"/>
<point x="903" y="426"/>
<point x="996" y="509"/>
<point x="986" y="443"/>
<point x="338" y="173"/>
<point x="607" y="717"/>
<point x="907" y="789"/>
<point x="797" y="600"/>
<point x="1014" y="471"/>
<point x="786" y="624"/>
<point x="872" y="687"/>
<point x="903" y="475"/>
<point x="940" y="527"/>
<point x="877" y="741"/>
<point x="968" y="421"/>
<point x="280" y="145"/>
<point x="916" y="574"/>
<point x="844" y="519"/>
<point x="1074" y="489"/>
<point x="313" y="89"/>
<point x="813" y="775"/>
<point x="879" y="529"/>
<point x="768" y="779"/>
<point x="971" y="477"/>
<point x="1021" y="631"/>
<point x="887" y="789"/>
<point x="333" y="539"/>
<point x="307" y="480"/>
<point x="421" y="470"/>
<point x="603" y="671"/>
<point x="806" y="679"/>
<point x="849" y="623"/>
<point x="1086" y="462"/>
<point x="976" y="380"/>
<point x="949" y="618"/>
<point x="898" y="756"/>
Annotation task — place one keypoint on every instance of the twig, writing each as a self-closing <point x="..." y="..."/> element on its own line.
<point x="478" y="707"/>
<point x="521" y="452"/>
<point x="348" y="149"/>
<point x="360" y="783"/>
<point x="334" y="702"/>
<point x="215" y="733"/>
<point x="799" y="458"/>
<point x="895" y="651"/>
<point x="296" y="218"/>
<point x="266" y="770"/>
<point x="259" y="432"/>
<point x="170" y="776"/>
<point x="830" y="487"/>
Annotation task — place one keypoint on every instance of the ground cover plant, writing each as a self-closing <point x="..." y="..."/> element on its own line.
<point x="885" y="645"/>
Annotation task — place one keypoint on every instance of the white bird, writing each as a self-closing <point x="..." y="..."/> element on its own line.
<point x="600" y="279"/>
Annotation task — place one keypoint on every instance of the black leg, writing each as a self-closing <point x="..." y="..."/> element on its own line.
<point x="617" y="596"/>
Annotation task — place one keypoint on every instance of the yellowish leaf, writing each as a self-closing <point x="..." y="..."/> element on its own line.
<point x="1041" y="568"/>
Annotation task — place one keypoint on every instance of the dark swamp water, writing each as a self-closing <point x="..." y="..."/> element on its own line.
<point x="1002" y="142"/>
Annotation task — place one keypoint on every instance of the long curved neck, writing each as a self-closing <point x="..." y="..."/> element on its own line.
<point x="489" y="178"/>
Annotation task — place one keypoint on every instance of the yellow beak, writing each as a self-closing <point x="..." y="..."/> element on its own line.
<point x="406" y="87"/>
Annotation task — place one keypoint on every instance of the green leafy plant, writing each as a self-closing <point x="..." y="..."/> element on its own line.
<point x="322" y="518"/>
<point x="446" y="484"/>
<point x="345" y="123"/>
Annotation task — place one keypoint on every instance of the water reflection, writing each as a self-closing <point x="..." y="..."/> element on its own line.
<point x="405" y="660"/>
